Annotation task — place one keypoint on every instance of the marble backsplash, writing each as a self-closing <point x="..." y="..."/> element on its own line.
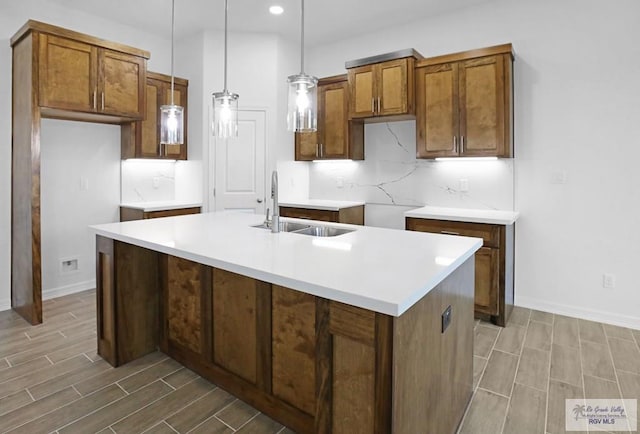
<point x="391" y="180"/>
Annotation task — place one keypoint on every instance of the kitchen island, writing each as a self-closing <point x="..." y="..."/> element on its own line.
<point x="368" y="331"/>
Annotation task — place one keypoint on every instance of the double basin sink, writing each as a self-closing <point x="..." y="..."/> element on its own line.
<point x="304" y="229"/>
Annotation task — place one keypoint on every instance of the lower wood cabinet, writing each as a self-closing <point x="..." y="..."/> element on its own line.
<point x="494" y="263"/>
<point x="128" y="214"/>
<point x="315" y="365"/>
<point x="353" y="215"/>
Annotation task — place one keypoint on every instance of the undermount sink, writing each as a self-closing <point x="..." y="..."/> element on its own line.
<point x="304" y="229"/>
<point x="285" y="226"/>
<point x="323" y="231"/>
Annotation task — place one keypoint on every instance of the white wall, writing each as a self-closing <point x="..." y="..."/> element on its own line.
<point x="64" y="229"/>
<point x="80" y="186"/>
<point x="576" y="111"/>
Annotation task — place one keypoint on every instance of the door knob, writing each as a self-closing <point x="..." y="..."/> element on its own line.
<point x="259" y="200"/>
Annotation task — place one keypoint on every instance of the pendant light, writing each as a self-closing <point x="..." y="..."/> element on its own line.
<point x="225" y="104"/>
<point x="302" y="114"/>
<point x="172" y="116"/>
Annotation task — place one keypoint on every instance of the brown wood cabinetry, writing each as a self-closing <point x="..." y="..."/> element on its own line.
<point x="382" y="90"/>
<point x="128" y="214"/>
<point x="337" y="137"/>
<point x="142" y="139"/>
<point x="315" y="365"/>
<point x="82" y="77"/>
<point x="494" y="263"/>
<point x="352" y="215"/>
<point x="464" y="104"/>
<point x="62" y="74"/>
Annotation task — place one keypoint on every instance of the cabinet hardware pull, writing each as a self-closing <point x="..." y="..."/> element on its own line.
<point x="318" y="150"/>
<point x="95" y="99"/>
<point x="379" y="109"/>
<point x="462" y="144"/>
<point x="373" y="105"/>
<point x="455" y="144"/>
<point x="449" y="233"/>
<point x="321" y="150"/>
<point x="102" y="100"/>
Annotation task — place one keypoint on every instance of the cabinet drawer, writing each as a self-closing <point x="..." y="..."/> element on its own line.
<point x="311" y="214"/>
<point x="490" y="234"/>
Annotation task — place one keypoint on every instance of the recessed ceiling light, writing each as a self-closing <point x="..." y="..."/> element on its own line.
<point x="276" y="10"/>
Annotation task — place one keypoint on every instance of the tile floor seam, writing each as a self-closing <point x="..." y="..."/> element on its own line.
<point x="45" y="413"/>
<point x="491" y="391"/>
<point x="72" y="314"/>
<point x="250" y="419"/>
<point x="172" y="388"/>
<point x="27" y="335"/>
<point x="117" y="384"/>
<point x="531" y="387"/>
<point x="226" y="406"/>
<point x="224" y="423"/>
<point x="85" y="354"/>
<point x="615" y="371"/>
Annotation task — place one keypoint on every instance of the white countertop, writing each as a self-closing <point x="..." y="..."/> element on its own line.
<point x="384" y="270"/>
<point x="322" y="204"/>
<point x="465" y="215"/>
<point x="164" y="205"/>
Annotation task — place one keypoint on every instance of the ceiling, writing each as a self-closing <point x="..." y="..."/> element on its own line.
<point x="325" y="20"/>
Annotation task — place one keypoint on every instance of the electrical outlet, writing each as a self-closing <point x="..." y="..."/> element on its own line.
<point x="68" y="265"/>
<point x="156" y="182"/>
<point x="446" y="318"/>
<point x="464" y="185"/>
<point x="608" y="280"/>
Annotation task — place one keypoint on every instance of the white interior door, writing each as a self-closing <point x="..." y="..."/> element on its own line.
<point x="239" y="166"/>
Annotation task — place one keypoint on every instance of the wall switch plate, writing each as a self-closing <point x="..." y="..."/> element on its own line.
<point x="446" y="318"/>
<point x="608" y="280"/>
<point x="464" y="185"/>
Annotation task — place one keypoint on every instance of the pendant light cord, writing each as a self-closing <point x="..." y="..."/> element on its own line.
<point x="173" y="21"/>
<point x="302" y="38"/>
<point x="226" y="11"/>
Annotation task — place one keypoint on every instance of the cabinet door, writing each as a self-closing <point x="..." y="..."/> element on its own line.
<point x="68" y="73"/>
<point x="437" y="111"/>
<point x="334" y="137"/>
<point x="362" y="88"/>
<point x="122" y="79"/>
<point x="178" y="152"/>
<point x="394" y="90"/>
<point x="487" y="274"/>
<point x="306" y="146"/>
<point x="482" y="107"/>
<point x="149" y="136"/>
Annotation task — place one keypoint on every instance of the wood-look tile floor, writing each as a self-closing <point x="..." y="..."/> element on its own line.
<point x="51" y="379"/>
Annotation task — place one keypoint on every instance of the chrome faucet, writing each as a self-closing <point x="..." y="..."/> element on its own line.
<point x="275" y="220"/>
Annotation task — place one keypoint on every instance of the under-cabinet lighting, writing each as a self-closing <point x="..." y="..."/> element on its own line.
<point x="150" y="160"/>
<point x="464" y="159"/>
<point x="276" y="10"/>
<point x="331" y="161"/>
<point x="332" y="244"/>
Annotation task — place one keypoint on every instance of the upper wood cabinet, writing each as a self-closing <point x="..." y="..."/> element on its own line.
<point x="78" y="76"/>
<point x="142" y="139"/>
<point x="382" y="89"/>
<point x="337" y="137"/>
<point x="465" y="104"/>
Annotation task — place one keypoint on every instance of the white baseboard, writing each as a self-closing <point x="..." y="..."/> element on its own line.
<point x="632" y="322"/>
<point x="69" y="289"/>
<point x="5" y="304"/>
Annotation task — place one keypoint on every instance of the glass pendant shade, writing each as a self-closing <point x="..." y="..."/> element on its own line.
<point x="225" y="114"/>
<point x="171" y="125"/>
<point x="302" y="113"/>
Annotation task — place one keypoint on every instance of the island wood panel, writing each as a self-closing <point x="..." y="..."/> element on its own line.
<point x="294" y="347"/>
<point x="353" y="386"/>
<point x="323" y="360"/>
<point x="242" y="326"/>
<point x="183" y="298"/>
<point x="423" y="376"/>
<point x="128" y="288"/>
<point x="26" y="281"/>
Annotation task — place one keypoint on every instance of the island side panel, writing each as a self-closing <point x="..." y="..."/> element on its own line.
<point x="128" y="289"/>
<point x="432" y="370"/>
